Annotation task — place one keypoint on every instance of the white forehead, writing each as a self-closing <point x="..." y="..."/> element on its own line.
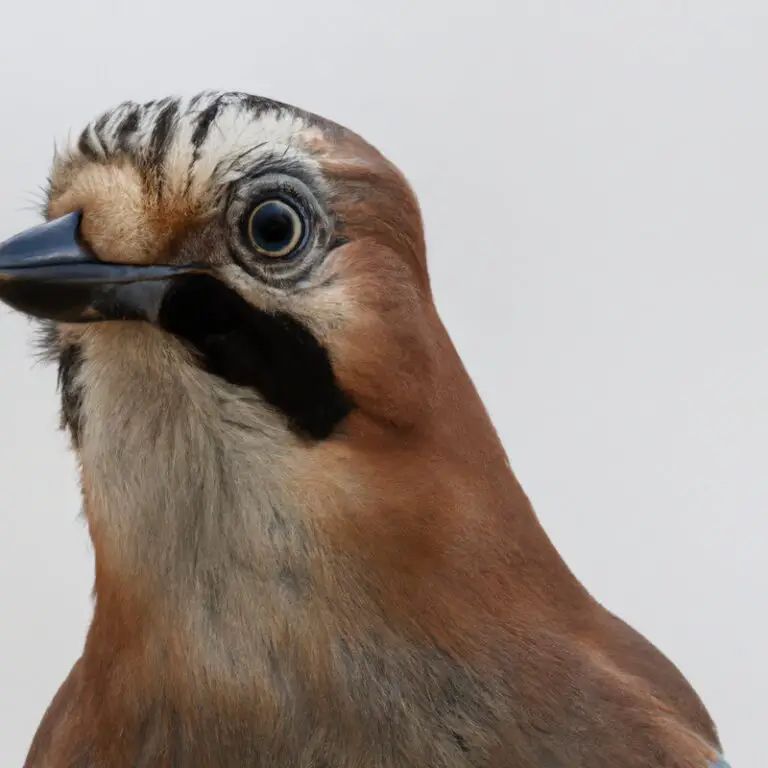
<point x="211" y="137"/>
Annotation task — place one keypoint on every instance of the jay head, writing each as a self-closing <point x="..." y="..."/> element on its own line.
<point x="310" y="549"/>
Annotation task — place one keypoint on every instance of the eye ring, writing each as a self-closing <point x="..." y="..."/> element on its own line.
<point x="275" y="228"/>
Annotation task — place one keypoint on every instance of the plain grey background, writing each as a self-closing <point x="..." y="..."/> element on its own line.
<point x="594" y="181"/>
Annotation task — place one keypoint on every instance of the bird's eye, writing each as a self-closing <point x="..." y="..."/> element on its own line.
<point x="275" y="229"/>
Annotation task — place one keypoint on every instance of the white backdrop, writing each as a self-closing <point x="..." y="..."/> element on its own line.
<point x="594" y="181"/>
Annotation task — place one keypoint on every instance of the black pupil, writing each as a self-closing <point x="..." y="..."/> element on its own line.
<point x="273" y="227"/>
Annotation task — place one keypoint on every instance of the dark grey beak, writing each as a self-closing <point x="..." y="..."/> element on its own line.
<point x="49" y="273"/>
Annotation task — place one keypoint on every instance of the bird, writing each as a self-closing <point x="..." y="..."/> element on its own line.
<point x="310" y="548"/>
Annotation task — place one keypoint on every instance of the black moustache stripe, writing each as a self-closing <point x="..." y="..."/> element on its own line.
<point x="274" y="354"/>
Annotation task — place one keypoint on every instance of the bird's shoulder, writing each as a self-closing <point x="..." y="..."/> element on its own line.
<point x="49" y="746"/>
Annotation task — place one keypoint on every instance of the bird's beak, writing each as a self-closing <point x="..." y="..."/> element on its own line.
<point x="49" y="273"/>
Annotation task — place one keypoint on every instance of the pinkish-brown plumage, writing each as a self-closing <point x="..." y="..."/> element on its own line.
<point x="381" y="595"/>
